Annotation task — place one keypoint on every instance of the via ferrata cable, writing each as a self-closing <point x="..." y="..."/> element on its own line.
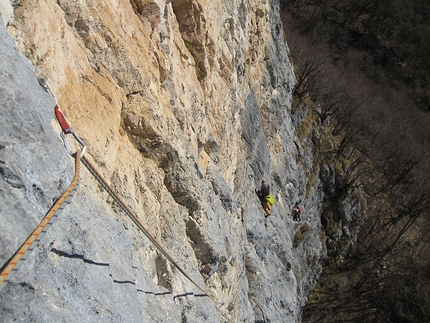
<point x="136" y="220"/>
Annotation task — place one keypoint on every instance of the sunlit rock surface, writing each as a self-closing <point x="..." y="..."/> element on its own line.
<point x="184" y="106"/>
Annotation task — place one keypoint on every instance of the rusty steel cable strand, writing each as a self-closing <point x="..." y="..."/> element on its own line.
<point x="141" y="227"/>
<point x="43" y="226"/>
<point x="136" y="220"/>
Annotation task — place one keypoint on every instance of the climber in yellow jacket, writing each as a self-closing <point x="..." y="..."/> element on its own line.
<point x="265" y="197"/>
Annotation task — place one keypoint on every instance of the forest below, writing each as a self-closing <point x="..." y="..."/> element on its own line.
<point x="362" y="66"/>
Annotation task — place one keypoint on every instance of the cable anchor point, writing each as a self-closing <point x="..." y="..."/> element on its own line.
<point x="67" y="129"/>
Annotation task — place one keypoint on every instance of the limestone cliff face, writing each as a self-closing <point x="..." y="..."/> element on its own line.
<point x="185" y="105"/>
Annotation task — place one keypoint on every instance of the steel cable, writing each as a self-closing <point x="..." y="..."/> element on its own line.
<point x="136" y="220"/>
<point x="139" y="224"/>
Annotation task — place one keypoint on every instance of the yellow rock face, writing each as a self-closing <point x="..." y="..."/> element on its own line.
<point x="184" y="106"/>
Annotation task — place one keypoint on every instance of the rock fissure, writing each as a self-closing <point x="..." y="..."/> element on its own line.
<point x="204" y="252"/>
<point x="191" y="21"/>
<point x="8" y="176"/>
<point x="153" y="293"/>
<point x="61" y="253"/>
<point x="124" y="282"/>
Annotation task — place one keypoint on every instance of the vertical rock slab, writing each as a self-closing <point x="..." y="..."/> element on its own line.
<point x="35" y="168"/>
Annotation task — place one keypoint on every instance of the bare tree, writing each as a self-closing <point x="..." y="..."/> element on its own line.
<point x="306" y="76"/>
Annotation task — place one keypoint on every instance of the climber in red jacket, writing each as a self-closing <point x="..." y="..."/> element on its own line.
<point x="297" y="210"/>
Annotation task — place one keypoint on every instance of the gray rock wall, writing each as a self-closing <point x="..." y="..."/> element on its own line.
<point x="183" y="138"/>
